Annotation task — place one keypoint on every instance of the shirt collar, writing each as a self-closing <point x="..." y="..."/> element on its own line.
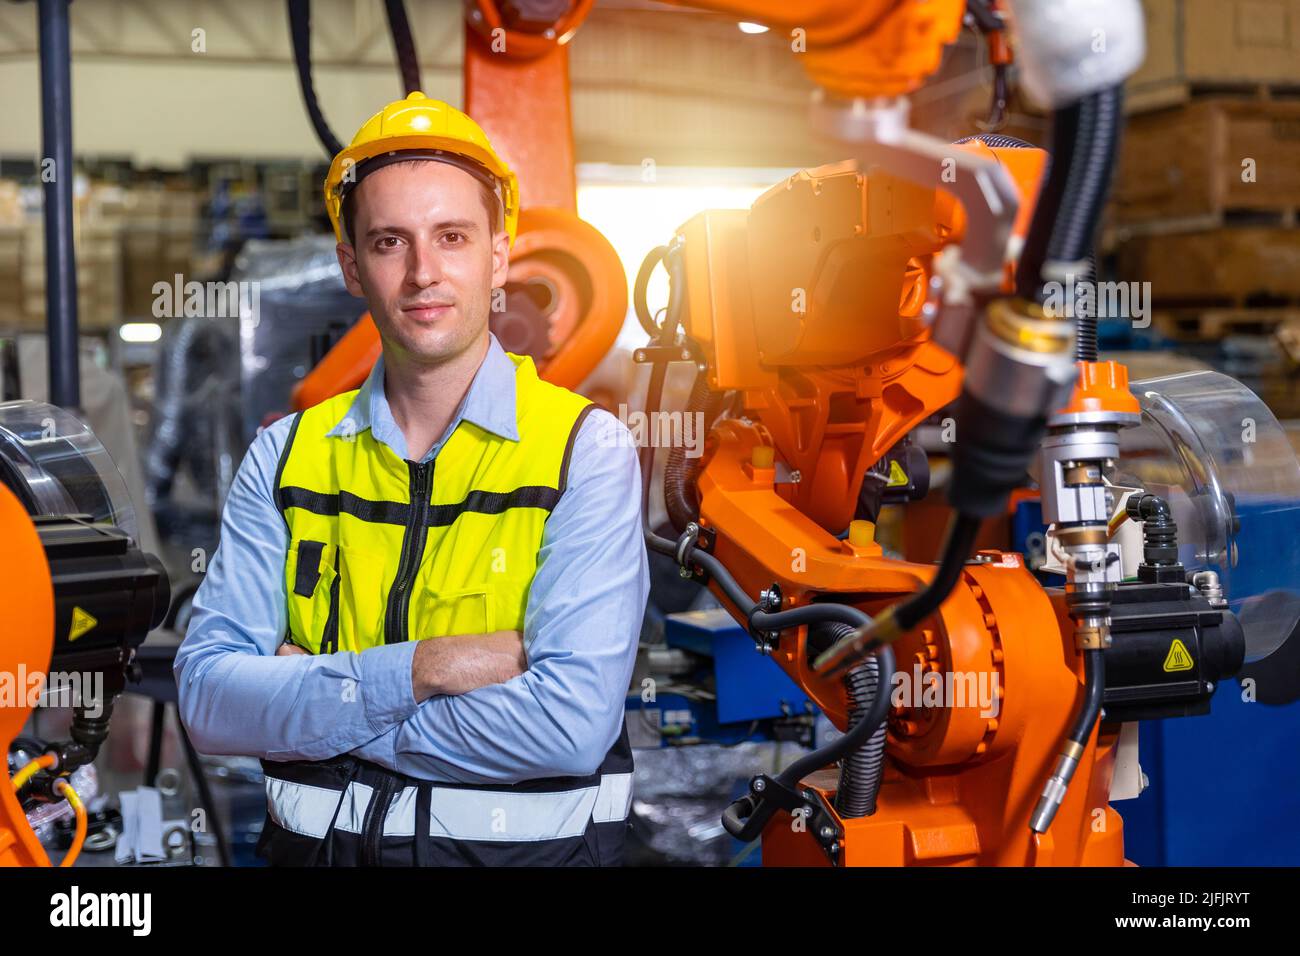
<point x="488" y="403"/>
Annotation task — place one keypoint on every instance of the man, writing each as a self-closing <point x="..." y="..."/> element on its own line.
<point x="451" y="555"/>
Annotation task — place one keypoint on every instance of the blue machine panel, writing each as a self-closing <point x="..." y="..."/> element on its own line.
<point x="750" y="686"/>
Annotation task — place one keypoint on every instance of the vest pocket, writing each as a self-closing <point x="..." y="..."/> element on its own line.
<point x="364" y="587"/>
<point x="444" y="612"/>
<point x="311" y="593"/>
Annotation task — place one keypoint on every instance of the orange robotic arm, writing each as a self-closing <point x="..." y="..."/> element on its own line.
<point x="810" y="307"/>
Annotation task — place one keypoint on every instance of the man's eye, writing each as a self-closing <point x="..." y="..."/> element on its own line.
<point x="455" y="238"/>
<point x="386" y="242"/>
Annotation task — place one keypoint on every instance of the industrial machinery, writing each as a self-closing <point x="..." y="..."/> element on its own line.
<point x="851" y="307"/>
<point x="80" y="597"/>
<point x="982" y="713"/>
<point x="850" y="304"/>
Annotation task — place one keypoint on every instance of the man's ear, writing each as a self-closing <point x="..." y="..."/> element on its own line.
<point x="348" y="263"/>
<point x="500" y="258"/>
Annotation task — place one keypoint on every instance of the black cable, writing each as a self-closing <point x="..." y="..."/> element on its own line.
<point x="1085" y="331"/>
<point x="652" y="259"/>
<point x="300" y="33"/>
<point x="857" y="736"/>
<point x="1029" y="268"/>
<point x="654" y="395"/>
<point x="1094" y="690"/>
<point x="1092" y="163"/>
<point x="403" y="45"/>
<point x="962" y="532"/>
<point x="1100" y="119"/>
<point x="862" y="771"/>
<point x="681" y="496"/>
<point x="659" y="336"/>
<point x="817" y="613"/>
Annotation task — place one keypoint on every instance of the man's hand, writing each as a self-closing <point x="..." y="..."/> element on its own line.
<point x="460" y="663"/>
<point x="287" y="649"/>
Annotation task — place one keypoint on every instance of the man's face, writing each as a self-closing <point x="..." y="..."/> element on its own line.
<point x="425" y="259"/>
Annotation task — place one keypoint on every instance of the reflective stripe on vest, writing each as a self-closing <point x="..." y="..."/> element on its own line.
<point x="383" y="550"/>
<point x="482" y="815"/>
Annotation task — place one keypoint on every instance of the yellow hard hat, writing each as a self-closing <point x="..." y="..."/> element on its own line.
<point x="418" y="127"/>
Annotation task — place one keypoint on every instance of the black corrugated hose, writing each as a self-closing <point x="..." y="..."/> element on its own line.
<point x="403" y="44"/>
<point x="1029" y="268"/>
<point x="862" y="770"/>
<point x="1085" y="143"/>
<point x="300" y="32"/>
<point x="680" y="495"/>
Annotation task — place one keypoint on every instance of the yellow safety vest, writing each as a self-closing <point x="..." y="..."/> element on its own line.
<point x="383" y="550"/>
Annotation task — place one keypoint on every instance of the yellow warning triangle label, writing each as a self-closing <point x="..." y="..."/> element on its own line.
<point x="82" y="622"/>
<point x="897" y="477"/>
<point x="1178" y="659"/>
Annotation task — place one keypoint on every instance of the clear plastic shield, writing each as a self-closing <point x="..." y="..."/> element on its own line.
<point x="1212" y="448"/>
<point x="56" y="466"/>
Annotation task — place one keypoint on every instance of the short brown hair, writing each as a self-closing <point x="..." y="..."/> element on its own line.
<point x="491" y="202"/>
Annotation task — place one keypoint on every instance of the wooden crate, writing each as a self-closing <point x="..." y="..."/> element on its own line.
<point x="1187" y="163"/>
<point x="1238" y="267"/>
<point x="1194" y="46"/>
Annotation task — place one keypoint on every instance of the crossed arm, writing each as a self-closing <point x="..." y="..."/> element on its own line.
<point x="453" y="709"/>
<point x="458" y="664"/>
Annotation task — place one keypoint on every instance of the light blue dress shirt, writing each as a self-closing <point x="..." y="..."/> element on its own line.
<point x="581" y="626"/>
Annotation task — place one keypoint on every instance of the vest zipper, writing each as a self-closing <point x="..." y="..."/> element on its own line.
<point x="399" y="595"/>
<point x="376" y="814"/>
<point x="329" y="641"/>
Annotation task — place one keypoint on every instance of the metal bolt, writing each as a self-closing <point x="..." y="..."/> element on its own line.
<point x="758" y="785"/>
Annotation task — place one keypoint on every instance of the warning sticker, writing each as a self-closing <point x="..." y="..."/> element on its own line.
<point x="82" y="621"/>
<point x="1178" y="659"/>
<point x="897" y="477"/>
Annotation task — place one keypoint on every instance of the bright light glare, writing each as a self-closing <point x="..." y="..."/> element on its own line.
<point x="636" y="218"/>
<point x="747" y="27"/>
<point x="140" y="331"/>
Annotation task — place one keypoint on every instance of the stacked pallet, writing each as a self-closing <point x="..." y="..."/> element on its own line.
<point x="125" y="241"/>
<point x="1207" y="194"/>
<point x="158" y="232"/>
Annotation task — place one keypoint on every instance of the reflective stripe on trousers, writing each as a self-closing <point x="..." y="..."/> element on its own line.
<point x="488" y="815"/>
<point x="321" y="813"/>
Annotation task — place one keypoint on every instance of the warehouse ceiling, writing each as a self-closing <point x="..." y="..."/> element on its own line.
<point x="173" y="81"/>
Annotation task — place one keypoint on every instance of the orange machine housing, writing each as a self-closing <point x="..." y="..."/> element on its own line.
<point x="809" y="305"/>
<point x="27" y="595"/>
